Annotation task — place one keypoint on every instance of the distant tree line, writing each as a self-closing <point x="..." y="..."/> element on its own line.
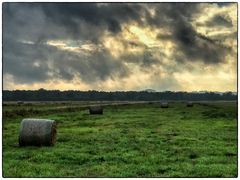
<point x="56" y="95"/>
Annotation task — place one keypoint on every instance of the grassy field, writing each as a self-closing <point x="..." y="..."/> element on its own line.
<point x="139" y="140"/>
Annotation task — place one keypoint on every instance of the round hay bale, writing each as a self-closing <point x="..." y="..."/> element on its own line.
<point x="189" y="104"/>
<point x="37" y="132"/>
<point x="164" y="105"/>
<point x="95" y="110"/>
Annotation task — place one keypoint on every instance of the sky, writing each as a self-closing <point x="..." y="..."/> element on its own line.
<point x="120" y="46"/>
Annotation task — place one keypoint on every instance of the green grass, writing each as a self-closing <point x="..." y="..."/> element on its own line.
<point x="130" y="141"/>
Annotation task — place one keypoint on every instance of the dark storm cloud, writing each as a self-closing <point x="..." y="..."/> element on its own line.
<point x="111" y="16"/>
<point x="71" y="20"/>
<point x="40" y="62"/>
<point x="144" y="60"/>
<point x="39" y="22"/>
<point x="98" y="66"/>
<point x="194" y="46"/>
<point x="219" y="20"/>
<point x="19" y="59"/>
<point x="168" y="13"/>
<point x="224" y="4"/>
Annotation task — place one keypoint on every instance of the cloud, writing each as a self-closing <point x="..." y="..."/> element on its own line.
<point x="220" y="20"/>
<point x="74" y="20"/>
<point x="109" y="43"/>
<point x="193" y="45"/>
<point x="26" y="62"/>
<point x="42" y="62"/>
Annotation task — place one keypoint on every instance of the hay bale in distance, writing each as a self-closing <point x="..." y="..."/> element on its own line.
<point x="37" y="132"/>
<point x="95" y="110"/>
<point x="189" y="104"/>
<point x="164" y="105"/>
